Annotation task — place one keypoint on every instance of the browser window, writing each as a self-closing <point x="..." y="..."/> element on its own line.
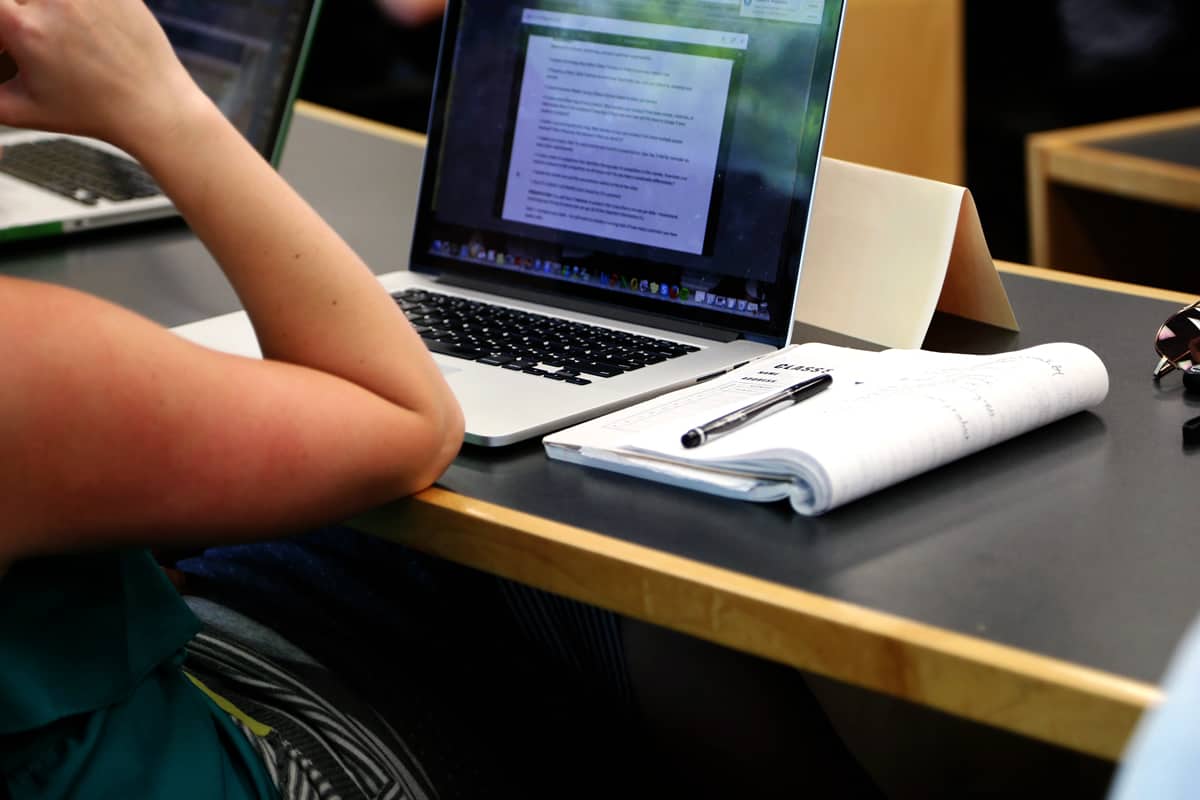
<point x="619" y="128"/>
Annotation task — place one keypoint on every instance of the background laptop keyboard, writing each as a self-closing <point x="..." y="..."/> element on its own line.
<point x="512" y="339"/>
<point x="72" y="169"/>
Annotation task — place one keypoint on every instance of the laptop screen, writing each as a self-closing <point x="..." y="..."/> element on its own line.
<point x="654" y="156"/>
<point x="244" y="55"/>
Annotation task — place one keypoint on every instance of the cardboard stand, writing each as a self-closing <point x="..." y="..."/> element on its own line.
<point x="885" y="250"/>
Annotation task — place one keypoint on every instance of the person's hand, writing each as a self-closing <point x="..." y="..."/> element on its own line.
<point x="100" y="68"/>
<point x="413" y="12"/>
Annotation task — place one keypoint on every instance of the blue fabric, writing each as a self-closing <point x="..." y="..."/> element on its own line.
<point x="341" y="595"/>
<point x="331" y="590"/>
<point x="1163" y="758"/>
<point x="435" y="648"/>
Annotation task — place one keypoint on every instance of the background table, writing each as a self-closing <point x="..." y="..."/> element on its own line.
<point x="1119" y="200"/>
<point x="1039" y="586"/>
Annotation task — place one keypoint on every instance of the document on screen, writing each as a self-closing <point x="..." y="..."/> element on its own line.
<point x="618" y="142"/>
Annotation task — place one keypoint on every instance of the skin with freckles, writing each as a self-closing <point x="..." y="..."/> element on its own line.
<point x="115" y="432"/>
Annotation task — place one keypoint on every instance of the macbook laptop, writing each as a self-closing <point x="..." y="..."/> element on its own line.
<point x="246" y="56"/>
<point x="613" y="203"/>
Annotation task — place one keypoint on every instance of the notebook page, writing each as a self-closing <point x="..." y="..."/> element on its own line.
<point x="612" y="441"/>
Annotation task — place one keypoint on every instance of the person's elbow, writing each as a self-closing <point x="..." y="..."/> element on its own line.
<point x="440" y="439"/>
<point x="451" y="430"/>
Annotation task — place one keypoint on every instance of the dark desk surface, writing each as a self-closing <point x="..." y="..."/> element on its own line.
<point x="1039" y="586"/>
<point x="1065" y="547"/>
<point x="1067" y="541"/>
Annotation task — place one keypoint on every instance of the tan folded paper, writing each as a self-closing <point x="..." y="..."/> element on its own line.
<point x="885" y="250"/>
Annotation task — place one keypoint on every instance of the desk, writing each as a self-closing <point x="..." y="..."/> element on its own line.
<point x="1039" y="586"/>
<point x="1119" y="200"/>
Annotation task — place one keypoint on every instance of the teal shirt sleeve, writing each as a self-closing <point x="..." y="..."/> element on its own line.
<point x="1162" y="760"/>
<point x="93" y="703"/>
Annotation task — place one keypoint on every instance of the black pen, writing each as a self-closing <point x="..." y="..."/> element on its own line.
<point x="756" y="410"/>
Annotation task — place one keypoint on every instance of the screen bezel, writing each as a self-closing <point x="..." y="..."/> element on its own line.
<point x="282" y="121"/>
<point x="283" y="100"/>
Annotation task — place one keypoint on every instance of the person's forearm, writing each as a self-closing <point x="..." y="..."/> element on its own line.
<point x="312" y="300"/>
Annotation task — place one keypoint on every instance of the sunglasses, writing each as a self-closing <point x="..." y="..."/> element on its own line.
<point x="1178" y="341"/>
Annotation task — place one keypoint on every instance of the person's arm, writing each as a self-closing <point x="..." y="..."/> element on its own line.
<point x="115" y="430"/>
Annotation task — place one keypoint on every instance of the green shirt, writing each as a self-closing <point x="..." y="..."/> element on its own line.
<point x="93" y="703"/>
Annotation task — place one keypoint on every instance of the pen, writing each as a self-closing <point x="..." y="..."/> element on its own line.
<point x="756" y="410"/>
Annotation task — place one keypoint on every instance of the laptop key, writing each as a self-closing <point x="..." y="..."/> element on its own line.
<point x="451" y="349"/>
<point x="599" y="371"/>
<point x="85" y="196"/>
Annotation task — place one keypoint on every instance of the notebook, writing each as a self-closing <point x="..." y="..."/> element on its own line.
<point x="246" y="56"/>
<point x="613" y="203"/>
<point x="883" y="418"/>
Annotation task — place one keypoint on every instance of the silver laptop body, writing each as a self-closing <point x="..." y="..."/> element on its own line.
<point x="247" y="57"/>
<point x="640" y="170"/>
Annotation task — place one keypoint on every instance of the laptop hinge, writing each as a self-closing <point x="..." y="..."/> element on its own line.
<point x="700" y="330"/>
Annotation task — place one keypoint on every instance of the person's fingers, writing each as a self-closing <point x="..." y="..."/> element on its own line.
<point x="10" y="11"/>
<point x="15" y="109"/>
<point x="15" y="22"/>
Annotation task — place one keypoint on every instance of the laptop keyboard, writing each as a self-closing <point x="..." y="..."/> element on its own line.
<point x="72" y="169"/>
<point x="508" y="338"/>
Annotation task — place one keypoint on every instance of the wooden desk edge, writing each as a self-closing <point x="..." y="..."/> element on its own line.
<point x="1102" y="284"/>
<point x="1043" y="698"/>
<point x="326" y="114"/>
<point x="1121" y="128"/>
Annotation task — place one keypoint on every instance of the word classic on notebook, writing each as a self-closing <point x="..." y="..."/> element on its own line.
<point x="613" y="203"/>
<point x="246" y="56"/>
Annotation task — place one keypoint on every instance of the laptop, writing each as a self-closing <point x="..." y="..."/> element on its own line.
<point x="246" y="56"/>
<point x="613" y="204"/>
